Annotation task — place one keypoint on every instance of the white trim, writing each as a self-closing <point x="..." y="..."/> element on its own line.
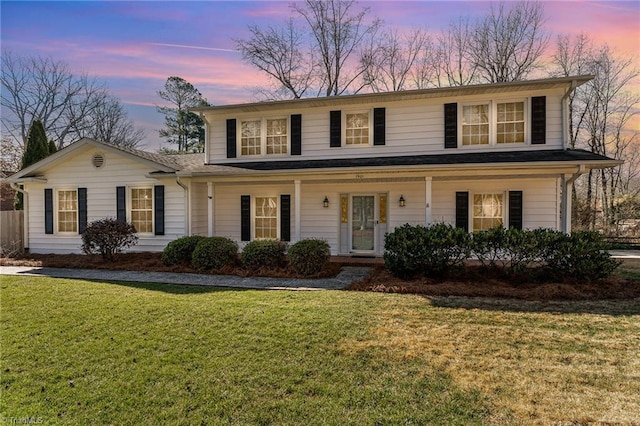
<point x="297" y="209"/>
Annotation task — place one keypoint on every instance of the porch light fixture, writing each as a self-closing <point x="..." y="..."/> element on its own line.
<point x="401" y="201"/>
<point x="325" y="203"/>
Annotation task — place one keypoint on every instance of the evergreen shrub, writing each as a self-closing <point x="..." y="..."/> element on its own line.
<point x="309" y="257"/>
<point x="108" y="237"/>
<point x="214" y="253"/>
<point x="179" y="251"/>
<point x="259" y="254"/>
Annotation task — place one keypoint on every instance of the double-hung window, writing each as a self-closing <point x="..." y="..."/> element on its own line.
<point x="266" y="218"/>
<point x="357" y="128"/>
<point x="267" y="136"/>
<point x="487" y="211"/>
<point x="142" y="210"/>
<point x="67" y="213"/>
<point x="493" y="123"/>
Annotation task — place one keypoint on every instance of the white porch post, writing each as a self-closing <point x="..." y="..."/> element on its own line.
<point x="296" y="209"/>
<point x="210" y="206"/>
<point x="427" y="197"/>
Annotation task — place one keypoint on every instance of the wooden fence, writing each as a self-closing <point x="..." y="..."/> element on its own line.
<point x="11" y="232"/>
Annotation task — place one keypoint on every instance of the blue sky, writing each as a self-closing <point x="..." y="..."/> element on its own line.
<point x="135" y="46"/>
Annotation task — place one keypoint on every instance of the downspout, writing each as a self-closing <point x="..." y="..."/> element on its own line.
<point x="565" y="113"/>
<point x="187" y="218"/>
<point x="25" y="209"/>
<point x="566" y="200"/>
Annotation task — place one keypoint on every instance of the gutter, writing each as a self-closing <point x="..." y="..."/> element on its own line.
<point x="565" y="113"/>
<point x="25" y="203"/>
<point x="187" y="217"/>
<point x="565" y="204"/>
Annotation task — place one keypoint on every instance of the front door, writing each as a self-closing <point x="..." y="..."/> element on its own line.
<point x="363" y="232"/>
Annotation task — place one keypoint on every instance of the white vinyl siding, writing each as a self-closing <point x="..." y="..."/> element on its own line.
<point x="101" y="186"/>
<point x="412" y="127"/>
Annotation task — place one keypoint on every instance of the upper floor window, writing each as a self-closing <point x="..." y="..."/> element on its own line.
<point x="357" y="128"/>
<point x="265" y="136"/>
<point x="142" y="209"/>
<point x="493" y="123"/>
<point x="67" y="211"/>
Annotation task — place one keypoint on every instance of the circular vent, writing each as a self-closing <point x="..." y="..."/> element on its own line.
<point x="97" y="160"/>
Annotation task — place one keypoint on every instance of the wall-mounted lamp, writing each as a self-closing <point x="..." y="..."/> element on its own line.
<point x="325" y="203"/>
<point x="401" y="201"/>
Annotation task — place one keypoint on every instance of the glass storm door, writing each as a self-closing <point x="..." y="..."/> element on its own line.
<point x="363" y="223"/>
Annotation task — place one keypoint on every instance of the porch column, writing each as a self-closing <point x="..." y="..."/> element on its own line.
<point x="210" y="206"/>
<point x="296" y="209"/>
<point x="567" y="188"/>
<point x="427" y="199"/>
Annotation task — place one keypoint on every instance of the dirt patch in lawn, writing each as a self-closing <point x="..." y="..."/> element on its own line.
<point x="148" y="262"/>
<point x="475" y="284"/>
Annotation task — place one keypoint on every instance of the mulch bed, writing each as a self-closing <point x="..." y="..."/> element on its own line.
<point x="471" y="284"/>
<point x="475" y="285"/>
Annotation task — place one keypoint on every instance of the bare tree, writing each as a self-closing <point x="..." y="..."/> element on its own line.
<point x="317" y="51"/>
<point x="10" y="155"/>
<point x="396" y="61"/>
<point x="39" y="88"/>
<point x="281" y="53"/>
<point x="507" y="45"/>
<point x="454" y="66"/>
<point x="109" y="122"/>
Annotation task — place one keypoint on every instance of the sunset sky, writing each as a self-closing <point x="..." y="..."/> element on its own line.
<point x="135" y="46"/>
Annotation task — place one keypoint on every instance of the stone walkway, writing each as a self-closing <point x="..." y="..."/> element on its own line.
<point x="347" y="275"/>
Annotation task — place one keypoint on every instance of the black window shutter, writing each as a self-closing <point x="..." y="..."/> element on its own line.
<point x="285" y="217"/>
<point x="538" y="120"/>
<point x="296" y="134"/>
<point x="515" y="209"/>
<point x="462" y="210"/>
<point x="121" y="204"/>
<point x="451" y="125"/>
<point x="48" y="211"/>
<point x="82" y="210"/>
<point x="245" y="218"/>
<point x="231" y="138"/>
<point x="158" y="209"/>
<point x="335" y="129"/>
<point x="379" y="126"/>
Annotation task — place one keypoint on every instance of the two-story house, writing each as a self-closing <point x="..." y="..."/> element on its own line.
<point x="346" y="169"/>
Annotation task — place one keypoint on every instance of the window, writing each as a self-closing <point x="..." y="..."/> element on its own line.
<point x="493" y="123"/>
<point x="357" y="128"/>
<point x="266" y="218"/>
<point x="68" y="211"/>
<point x="487" y="211"/>
<point x="142" y="209"/>
<point x="269" y="136"/>
<point x="510" y="122"/>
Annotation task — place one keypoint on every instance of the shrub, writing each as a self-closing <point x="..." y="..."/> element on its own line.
<point x="418" y="250"/>
<point x="108" y="237"/>
<point x="489" y="247"/>
<point x="308" y="257"/>
<point x="581" y="255"/>
<point x="180" y="251"/>
<point x="259" y="254"/>
<point x="214" y="253"/>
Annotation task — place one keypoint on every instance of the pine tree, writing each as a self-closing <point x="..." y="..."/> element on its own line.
<point x="52" y="147"/>
<point x="37" y="148"/>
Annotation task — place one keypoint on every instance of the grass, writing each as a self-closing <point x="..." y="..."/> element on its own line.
<point x="630" y="269"/>
<point x="80" y="352"/>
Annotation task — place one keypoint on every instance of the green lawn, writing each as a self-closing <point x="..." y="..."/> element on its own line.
<point x="80" y="352"/>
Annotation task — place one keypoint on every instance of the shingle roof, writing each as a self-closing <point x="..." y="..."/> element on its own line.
<point x="573" y="156"/>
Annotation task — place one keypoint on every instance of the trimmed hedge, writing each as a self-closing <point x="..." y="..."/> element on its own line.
<point x="180" y="251"/>
<point x="215" y="253"/>
<point x="309" y="257"/>
<point x="412" y="251"/>
<point x="258" y="254"/>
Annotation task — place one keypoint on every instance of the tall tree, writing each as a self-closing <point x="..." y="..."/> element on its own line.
<point x="37" y="148"/>
<point x="109" y="122"/>
<point x="41" y="88"/>
<point x="182" y="127"/>
<point x="317" y="51"/>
